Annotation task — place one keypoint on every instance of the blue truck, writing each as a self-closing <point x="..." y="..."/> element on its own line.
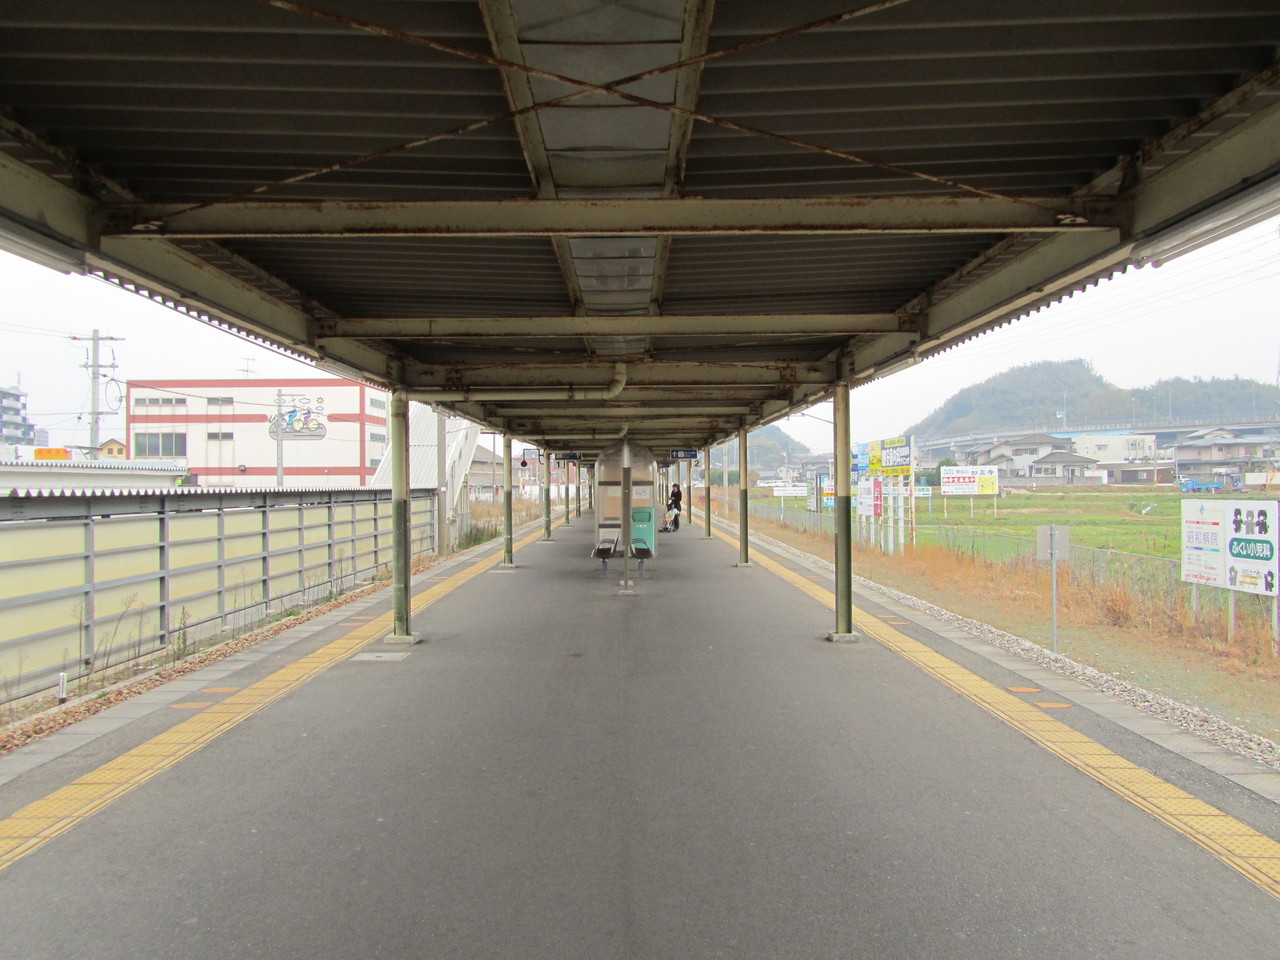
<point x="1192" y="485"/>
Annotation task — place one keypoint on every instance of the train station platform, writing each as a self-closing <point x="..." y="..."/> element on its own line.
<point x="690" y="771"/>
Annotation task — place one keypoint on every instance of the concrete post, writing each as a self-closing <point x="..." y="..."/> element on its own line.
<point x="744" y="552"/>
<point x="401" y="631"/>
<point x="844" y="513"/>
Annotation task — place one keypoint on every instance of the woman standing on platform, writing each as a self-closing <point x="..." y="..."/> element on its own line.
<point x="673" y="504"/>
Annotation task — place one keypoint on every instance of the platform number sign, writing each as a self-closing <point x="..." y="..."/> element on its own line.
<point x="684" y="454"/>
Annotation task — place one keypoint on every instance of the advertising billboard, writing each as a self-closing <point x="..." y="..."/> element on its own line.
<point x="1231" y="544"/>
<point x="895" y="457"/>
<point x="970" y="481"/>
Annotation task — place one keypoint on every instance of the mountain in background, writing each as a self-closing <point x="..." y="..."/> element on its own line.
<point x="1032" y="397"/>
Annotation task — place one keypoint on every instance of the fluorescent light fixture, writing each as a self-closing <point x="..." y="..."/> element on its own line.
<point x="30" y="245"/>
<point x="1245" y="209"/>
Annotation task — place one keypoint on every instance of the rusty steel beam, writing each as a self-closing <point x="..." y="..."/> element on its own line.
<point x="619" y="217"/>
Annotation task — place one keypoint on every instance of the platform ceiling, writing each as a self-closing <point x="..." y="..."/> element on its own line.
<point x="568" y="219"/>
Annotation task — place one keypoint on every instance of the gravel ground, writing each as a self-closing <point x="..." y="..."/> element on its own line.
<point x="1188" y="718"/>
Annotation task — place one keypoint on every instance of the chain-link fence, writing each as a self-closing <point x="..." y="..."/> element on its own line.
<point x="1149" y="587"/>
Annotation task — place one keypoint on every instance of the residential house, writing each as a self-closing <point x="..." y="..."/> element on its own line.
<point x="112" y="449"/>
<point x="1065" y="467"/>
<point x="1014" y="458"/>
<point x="1218" y="451"/>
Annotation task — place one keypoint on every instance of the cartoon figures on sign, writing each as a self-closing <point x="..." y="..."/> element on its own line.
<point x="298" y="418"/>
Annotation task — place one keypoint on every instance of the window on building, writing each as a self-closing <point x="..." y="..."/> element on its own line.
<point x="1025" y="451"/>
<point x="374" y="461"/>
<point x="221" y="401"/>
<point x="221" y="436"/>
<point x="376" y="403"/>
<point x="159" y="444"/>
<point x="377" y="438"/>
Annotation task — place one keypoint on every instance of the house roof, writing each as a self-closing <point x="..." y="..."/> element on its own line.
<point x="1064" y="456"/>
<point x="1039" y="438"/>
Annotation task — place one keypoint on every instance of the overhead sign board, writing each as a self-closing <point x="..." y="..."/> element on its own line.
<point x="684" y="454"/>
<point x="970" y="481"/>
<point x="567" y="456"/>
<point x="1231" y="544"/>
<point x="529" y="453"/>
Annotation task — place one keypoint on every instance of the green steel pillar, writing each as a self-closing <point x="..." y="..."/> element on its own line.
<point x="507" y="538"/>
<point x="844" y="519"/>
<point x="706" y="492"/>
<point x="546" y="495"/>
<point x="400" y="544"/>
<point x="564" y="485"/>
<point x="577" y="488"/>
<point x="626" y="583"/>
<point x="744" y="552"/>
<point x="444" y="496"/>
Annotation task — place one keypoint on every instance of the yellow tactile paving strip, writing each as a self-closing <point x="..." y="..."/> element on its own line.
<point x="1235" y="843"/>
<point x="37" y="823"/>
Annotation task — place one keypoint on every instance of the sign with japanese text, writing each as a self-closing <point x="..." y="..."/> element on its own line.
<point x="970" y="481"/>
<point x="895" y="457"/>
<point x="1231" y="544"/>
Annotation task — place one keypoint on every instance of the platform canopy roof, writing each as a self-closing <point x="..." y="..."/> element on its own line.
<point x="575" y="219"/>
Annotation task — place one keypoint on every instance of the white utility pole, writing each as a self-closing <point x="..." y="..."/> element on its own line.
<point x="93" y="363"/>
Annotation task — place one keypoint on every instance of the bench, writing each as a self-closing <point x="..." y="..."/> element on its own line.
<point x="604" y="552"/>
<point x="640" y="550"/>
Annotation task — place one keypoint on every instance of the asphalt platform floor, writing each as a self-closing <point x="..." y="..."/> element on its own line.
<point x="689" y="771"/>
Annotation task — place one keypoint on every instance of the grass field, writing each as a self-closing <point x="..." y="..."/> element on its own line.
<point x="1141" y="520"/>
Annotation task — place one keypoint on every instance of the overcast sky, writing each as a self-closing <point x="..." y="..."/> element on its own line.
<point x="1213" y="313"/>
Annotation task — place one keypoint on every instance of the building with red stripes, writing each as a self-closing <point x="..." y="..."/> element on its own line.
<point x="315" y="432"/>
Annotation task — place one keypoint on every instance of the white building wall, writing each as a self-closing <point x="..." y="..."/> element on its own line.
<point x="1132" y="446"/>
<point x="334" y="430"/>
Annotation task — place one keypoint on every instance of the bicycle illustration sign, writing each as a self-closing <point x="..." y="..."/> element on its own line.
<point x="298" y="418"/>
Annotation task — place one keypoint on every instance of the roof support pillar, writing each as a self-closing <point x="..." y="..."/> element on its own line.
<point x="744" y="549"/>
<point x="546" y="495"/>
<point x="401" y="629"/>
<point x="844" y="520"/>
<point x="706" y="492"/>
<point x="508" y="538"/>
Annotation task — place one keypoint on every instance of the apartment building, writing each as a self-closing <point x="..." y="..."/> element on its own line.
<point x="15" y="428"/>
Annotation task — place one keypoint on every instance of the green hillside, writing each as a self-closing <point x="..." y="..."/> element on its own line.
<point x="1033" y="396"/>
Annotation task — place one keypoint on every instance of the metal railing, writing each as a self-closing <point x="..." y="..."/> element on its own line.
<point x="90" y="582"/>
